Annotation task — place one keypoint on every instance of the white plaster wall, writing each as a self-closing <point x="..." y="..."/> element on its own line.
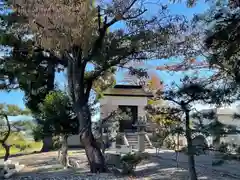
<point x="111" y="103"/>
<point x="74" y="140"/>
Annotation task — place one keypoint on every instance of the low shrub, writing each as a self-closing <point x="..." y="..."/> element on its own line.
<point x="238" y="150"/>
<point x="130" y="161"/>
<point x="218" y="162"/>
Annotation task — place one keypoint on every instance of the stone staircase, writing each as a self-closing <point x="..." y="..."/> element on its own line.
<point x="133" y="141"/>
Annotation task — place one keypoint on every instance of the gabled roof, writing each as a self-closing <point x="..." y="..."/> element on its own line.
<point x="225" y="111"/>
<point x="127" y="90"/>
<point x="220" y="111"/>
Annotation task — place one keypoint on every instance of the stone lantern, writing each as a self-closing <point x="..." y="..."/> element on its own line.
<point x="141" y="124"/>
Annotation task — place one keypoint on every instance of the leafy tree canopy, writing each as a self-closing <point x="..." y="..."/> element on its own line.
<point x="56" y="115"/>
<point x="13" y="110"/>
<point x="74" y="34"/>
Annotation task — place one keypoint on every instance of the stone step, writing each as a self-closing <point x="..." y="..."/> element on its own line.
<point x="131" y="137"/>
<point x="136" y="143"/>
<point x="133" y="141"/>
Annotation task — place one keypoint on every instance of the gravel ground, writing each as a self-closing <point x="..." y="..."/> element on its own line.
<point x="203" y="163"/>
<point x="44" y="166"/>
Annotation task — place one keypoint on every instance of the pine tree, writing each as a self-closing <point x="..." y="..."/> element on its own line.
<point x="57" y="118"/>
<point x="5" y="125"/>
<point x="182" y="97"/>
<point x="77" y="33"/>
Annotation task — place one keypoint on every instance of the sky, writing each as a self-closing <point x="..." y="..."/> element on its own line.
<point x="17" y="97"/>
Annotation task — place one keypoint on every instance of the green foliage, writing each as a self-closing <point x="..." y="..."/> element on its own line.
<point x="103" y="48"/>
<point x="38" y="133"/>
<point x="30" y="147"/>
<point x="56" y="143"/>
<point x="23" y="66"/>
<point x="214" y="128"/>
<point x="19" y="144"/>
<point x="159" y="137"/>
<point x="218" y="162"/>
<point x="65" y="39"/>
<point x="13" y="110"/>
<point x="167" y="125"/>
<point x="193" y="3"/>
<point x="56" y="117"/>
<point x="225" y="154"/>
<point x="6" y="128"/>
<point x="169" y="143"/>
<point x="223" y="148"/>
<point x="238" y="150"/>
<point x="221" y="45"/>
<point x="222" y="38"/>
<point x="130" y="161"/>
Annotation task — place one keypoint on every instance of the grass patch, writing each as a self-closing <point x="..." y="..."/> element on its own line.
<point x="18" y="147"/>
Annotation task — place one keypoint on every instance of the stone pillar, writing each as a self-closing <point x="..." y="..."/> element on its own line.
<point x="141" y="141"/>
<point x="113" y="145"/>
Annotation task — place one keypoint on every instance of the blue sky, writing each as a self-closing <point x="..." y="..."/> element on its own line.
<point x="16" y="97"/>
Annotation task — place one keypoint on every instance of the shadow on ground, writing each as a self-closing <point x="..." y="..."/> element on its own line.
<point x="21" y="154"/>
<point x="158" y="169"/>
<point x="45" y="166"/>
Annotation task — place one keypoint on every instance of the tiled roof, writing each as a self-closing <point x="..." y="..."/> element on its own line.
<point x="220" y="111"/>
<point x="127" y="90"/>
<point x="225" y="111"/>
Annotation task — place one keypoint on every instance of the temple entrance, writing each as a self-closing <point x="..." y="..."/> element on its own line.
<point x="131" y="113"/>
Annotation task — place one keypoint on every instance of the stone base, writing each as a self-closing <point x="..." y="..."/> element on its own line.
<point x="124" y="149"/>
<point x="113" y="159"/>
<point x="8" y="168"/>
<point x="75" y="163"/>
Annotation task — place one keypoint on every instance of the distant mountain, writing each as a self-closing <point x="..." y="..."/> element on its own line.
<point x="19" y="118"/>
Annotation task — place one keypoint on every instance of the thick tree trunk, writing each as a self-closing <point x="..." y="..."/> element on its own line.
<point x="47" y="144"/>
<point x="192" y="170"/>
<point x="7" y="151"/>
<point x="64" y="151"/>
<point x="191" y="161"/>
<point x="95" y="157"/>
<point x="93" y="151"/>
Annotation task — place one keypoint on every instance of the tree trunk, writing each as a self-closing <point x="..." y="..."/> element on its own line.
<point x="192" y="170"/>
<point x="216" y="141"/>
<point x="216" y="146"/>
<point x="178" y="148"/>
<point x="191" y="161"/>
<point x="47" y="144"/>
<point x="3" y="141"/>
<point x="7" y="151"/>
<point x="95" y="157"/>
<point x="93" y="151"/>
<point x="64" y="151"/>
<point x="105" y="142"/>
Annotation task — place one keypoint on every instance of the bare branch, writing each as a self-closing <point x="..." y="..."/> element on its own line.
<point x="113" y="63"/>
<point x="112" y="114"/>
<point x="135" y="16"/>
